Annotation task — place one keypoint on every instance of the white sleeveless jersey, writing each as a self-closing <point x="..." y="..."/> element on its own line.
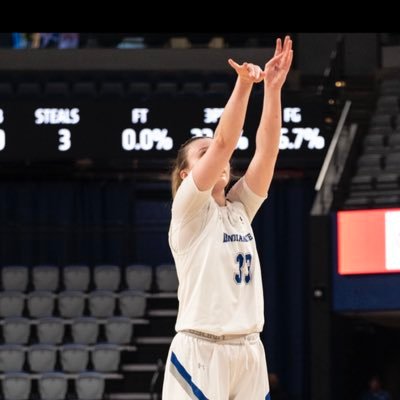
<point x="220" y="286"/>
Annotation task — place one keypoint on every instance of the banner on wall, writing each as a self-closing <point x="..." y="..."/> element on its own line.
<point x="368" y="241"/>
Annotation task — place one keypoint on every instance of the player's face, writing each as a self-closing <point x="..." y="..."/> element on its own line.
<point x="196" y="150"/>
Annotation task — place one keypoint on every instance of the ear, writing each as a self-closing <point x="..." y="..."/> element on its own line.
<point x="183" y="174"/>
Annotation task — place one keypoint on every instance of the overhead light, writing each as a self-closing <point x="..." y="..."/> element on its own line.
<point x="340" y="83"/>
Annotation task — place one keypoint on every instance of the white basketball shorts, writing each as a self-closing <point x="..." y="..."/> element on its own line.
<point x="211" y="368"/>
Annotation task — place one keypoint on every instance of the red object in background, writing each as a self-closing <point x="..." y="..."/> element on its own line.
<point x="368" y="241"/>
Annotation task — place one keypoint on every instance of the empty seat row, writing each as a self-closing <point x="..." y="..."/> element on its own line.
<point x="390" y="87"/>
<point x="385" y="120"/>
<point x="84" y="330"/>
<point x="389" y="162"/>
<point x="381" y="143"/>
<point x="387" y="104"/>
<point x="73" y="357"/>
<point x="377" y="180"/>
<point x="380" y="181"/>
<point x="53" y="386"/>
<point x="77" y="277"/>
<point x="384" y="131"/>
<point x="373" y="201"/>
<point x="71" y="304"/>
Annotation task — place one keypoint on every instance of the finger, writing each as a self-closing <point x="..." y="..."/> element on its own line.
<point x="233" y="64"/>
<point x="286" y="41"/>
<point x="250" y="70"/>
<point x="289" y="43"/>
<point x="278" y="47"/>
<point x="287" y="53"/>
<point x="288" y="63"/>
<point x="257" y="71"/>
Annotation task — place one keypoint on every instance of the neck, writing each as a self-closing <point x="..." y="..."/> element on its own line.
<point x="219" y="197"/>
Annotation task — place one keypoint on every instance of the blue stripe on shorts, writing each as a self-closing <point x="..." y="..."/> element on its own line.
<point x="186" y="376"/>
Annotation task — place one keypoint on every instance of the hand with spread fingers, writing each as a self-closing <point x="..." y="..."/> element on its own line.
<point x="277" y="68"/>
<point x="247" y="71"/>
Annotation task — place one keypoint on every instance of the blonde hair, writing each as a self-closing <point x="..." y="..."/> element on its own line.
<point x="180" y="163"/>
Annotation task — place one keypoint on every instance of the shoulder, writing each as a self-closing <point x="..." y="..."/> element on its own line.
<point x="241" y="193"/>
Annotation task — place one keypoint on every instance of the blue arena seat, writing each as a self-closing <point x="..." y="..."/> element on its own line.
<point x="71" y="304"/>
<point x="132" y="304"/>
<point x="45" y="277"/>
<point x="16" y="386"/>
<point x="50" y="330"/>
<point x="85" y="330"/>
<point x="42" y="357"/>
<point x="76" y="277"/>
<point x="139" y="277"/>
<point x="12" y="357"/>
<point x="14" y="277"/>
<point x="107" y="277"/>
<point x="90" y="386"/>
<point x="102" y="304"/>
<point x="119" y="330"/>
<point x="106" y="357"/>
<point x="16" y="330"/>
<point x="166" y="278"/>
<point x="41" y="304"/>
<point x="53" y="386"/>
<point x="11" y="304"/>
<point x="74" y="357"/>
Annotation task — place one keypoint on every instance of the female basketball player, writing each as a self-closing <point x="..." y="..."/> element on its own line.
<point x="217" y="353"/>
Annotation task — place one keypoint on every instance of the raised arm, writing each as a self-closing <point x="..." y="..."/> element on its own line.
<point x="208" y="169"/>
<point x="261" y="168"/>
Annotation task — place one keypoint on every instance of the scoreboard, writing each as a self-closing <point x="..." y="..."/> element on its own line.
<point x="44" y="130"/>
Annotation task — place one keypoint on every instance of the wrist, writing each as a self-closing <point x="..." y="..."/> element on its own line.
<point x="272" y="90"/>
<point x="245" y="82"/>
